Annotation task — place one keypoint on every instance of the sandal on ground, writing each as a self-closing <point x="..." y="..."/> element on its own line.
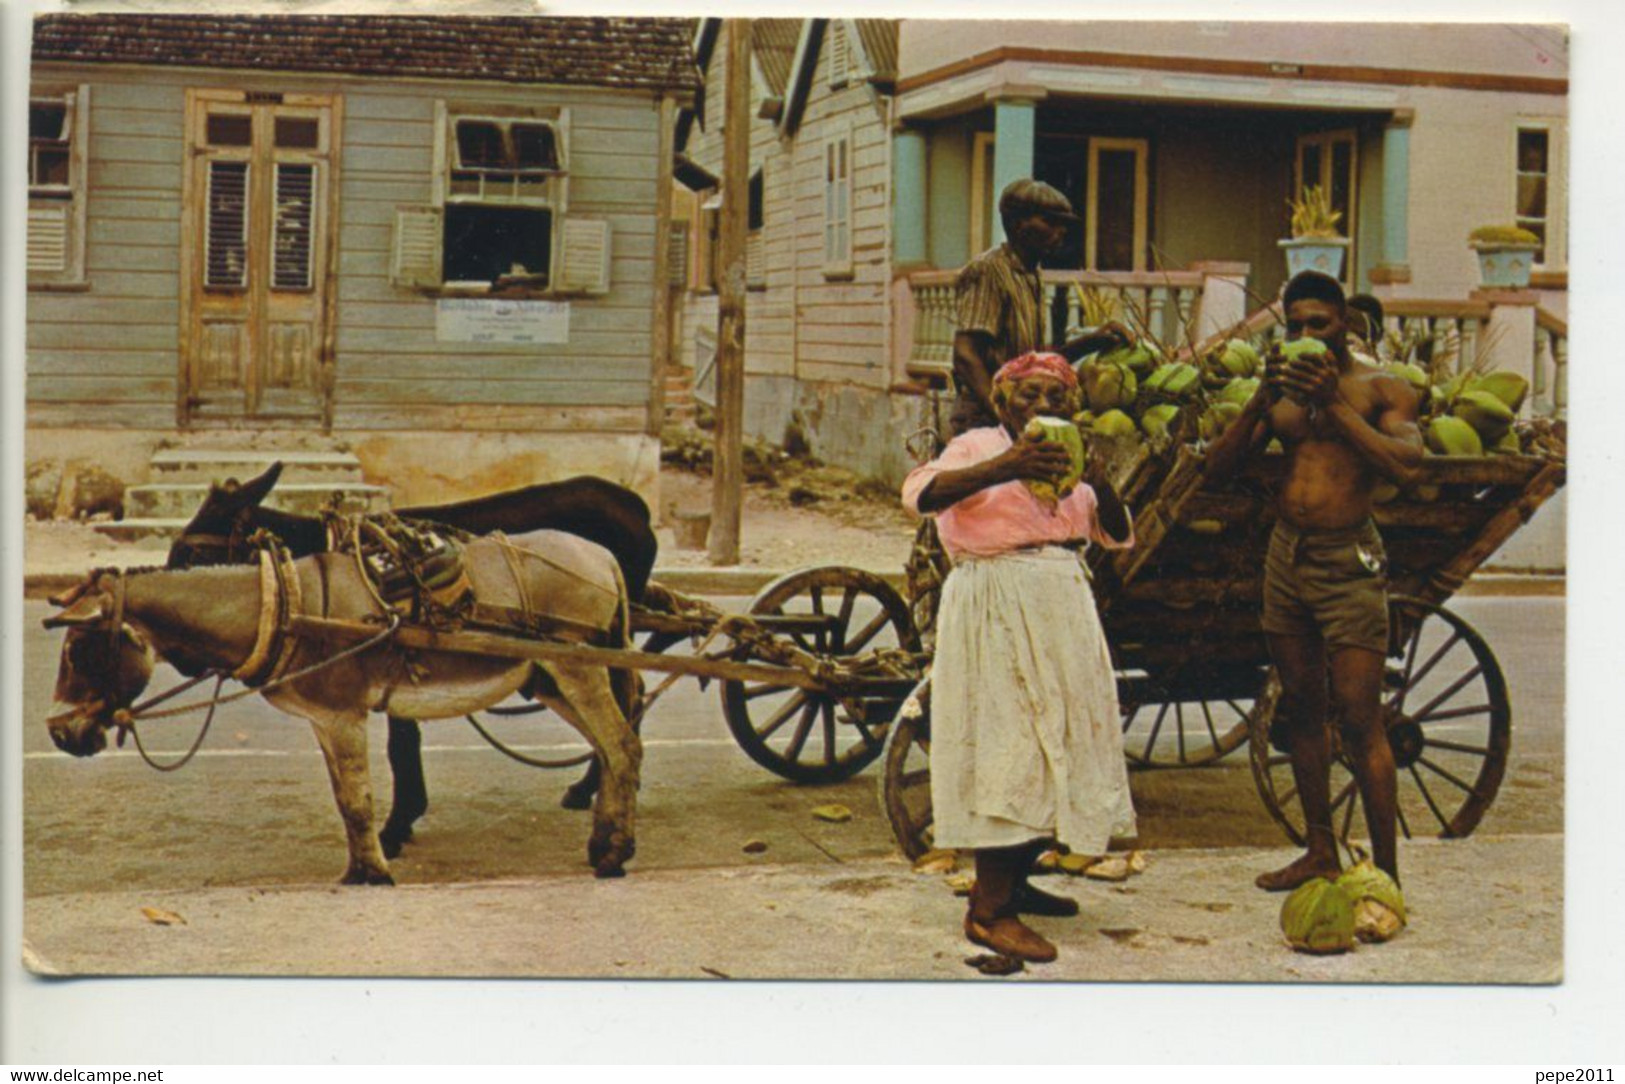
<point x="1009" y="937"/>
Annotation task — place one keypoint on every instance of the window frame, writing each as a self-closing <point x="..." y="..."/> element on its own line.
<point x="1142" y="197"/>
<point x="69" y="200"/>
<point x="1326" y="140"/>
<point x="1556" y="218"/>
<point x="837" y="260"/>
<point x="553" y="198"/>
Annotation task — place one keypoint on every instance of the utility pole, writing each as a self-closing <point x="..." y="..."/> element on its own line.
<point x="727" y="460"/>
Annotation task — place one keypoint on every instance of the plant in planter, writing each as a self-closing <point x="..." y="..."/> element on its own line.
<point x="1506" y="255"/>
<point x="1315" y="244"/>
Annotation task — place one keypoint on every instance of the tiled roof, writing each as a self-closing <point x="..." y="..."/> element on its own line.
<point x="642" y="53"/>
<point x="773" y="42"/>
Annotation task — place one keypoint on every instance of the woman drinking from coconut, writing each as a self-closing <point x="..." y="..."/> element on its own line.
<point x="1026" y="749"/>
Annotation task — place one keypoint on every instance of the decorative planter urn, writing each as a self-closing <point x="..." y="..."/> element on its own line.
<point x="1504" y="265"/>
<point x="1323" y="254"/>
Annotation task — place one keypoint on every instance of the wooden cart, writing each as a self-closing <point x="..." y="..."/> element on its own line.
<point x="1181" y="614"/>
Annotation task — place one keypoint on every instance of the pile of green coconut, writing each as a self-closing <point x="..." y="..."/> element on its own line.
<point x="1324" y="916"/>
<point x="1132" y="391"/>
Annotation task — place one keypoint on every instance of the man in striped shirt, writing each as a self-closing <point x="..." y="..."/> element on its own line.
<point x="1001" y="301"/>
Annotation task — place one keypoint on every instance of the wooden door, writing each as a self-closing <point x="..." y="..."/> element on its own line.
<point x="1331" y="161"/>
<point x="260" y="201"/>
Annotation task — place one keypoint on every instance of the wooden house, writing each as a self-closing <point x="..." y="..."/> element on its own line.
<point x="429" y="246"/>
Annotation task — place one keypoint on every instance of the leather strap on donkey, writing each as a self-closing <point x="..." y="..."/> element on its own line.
<point x="415" y="569"/>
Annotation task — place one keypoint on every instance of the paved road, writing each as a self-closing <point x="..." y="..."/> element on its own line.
<point x="255" y="807"/>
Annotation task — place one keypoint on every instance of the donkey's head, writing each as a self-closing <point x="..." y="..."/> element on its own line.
<point x="219" y="530"/>
<point x="106" y="663"/>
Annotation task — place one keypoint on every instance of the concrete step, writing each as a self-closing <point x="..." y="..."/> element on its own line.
<point x="169" y="500"/>
<point x="204" y="465"/>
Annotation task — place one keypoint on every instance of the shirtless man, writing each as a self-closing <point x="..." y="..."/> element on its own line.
<point x="1345" y="426"/>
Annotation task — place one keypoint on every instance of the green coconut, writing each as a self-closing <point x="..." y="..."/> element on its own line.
<point x="1238" y="358"/>
<point x="1240" y="390"/>
<point x="1509" y="444"/>
<point x="1060" y="431"/>
<point x="1304" y="348"/>
<point x="1510" y="388"/>
<point x="1216" y="419"/>
<point x="1379" y="906"/>
<point x="1156" y="420"/>
<point x="1109" y="385"/>
<point x="1140" y="358"/>
<point x="1114" y="423"/>
<point x="1485" y="412"/>
<point x="1318" y="917"/>
<point x="1175" y="380"/>
<point x="1450" y="435"/>
<point x="1412" y="374"/>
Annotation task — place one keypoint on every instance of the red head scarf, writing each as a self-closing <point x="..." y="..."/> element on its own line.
<point x="1026" y="365"/>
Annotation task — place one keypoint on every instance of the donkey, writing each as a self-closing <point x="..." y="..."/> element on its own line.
<point x="219" y="620"/>
<point x="600" y="511"/>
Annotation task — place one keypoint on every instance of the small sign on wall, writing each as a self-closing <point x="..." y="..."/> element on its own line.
<point x="492" y="320"/>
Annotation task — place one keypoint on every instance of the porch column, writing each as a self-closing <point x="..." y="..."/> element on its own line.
<point x="1015" y="125"/>
<point x="1395" y="266"/>
<point x="909" y="234"/>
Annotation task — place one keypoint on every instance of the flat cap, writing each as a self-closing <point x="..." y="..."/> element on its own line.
<point x="1027" y="196"/>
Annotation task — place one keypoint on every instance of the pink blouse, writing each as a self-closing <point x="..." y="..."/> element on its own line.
<point x="1007" y="516"/>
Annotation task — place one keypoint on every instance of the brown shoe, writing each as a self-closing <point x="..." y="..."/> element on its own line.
<point x="1009" y="937"/>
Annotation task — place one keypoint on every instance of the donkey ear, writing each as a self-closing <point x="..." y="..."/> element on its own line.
<point x="81" y="611"/>
<point x="255" y="490"/>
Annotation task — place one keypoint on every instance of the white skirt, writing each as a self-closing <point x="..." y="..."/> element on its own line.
<point x="1026" y="741"/>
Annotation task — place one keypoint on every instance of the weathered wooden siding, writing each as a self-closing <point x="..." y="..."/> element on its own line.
<point x="804" y="324"/>
<point x="117" y="342"/>
<point x="841" y="324"/>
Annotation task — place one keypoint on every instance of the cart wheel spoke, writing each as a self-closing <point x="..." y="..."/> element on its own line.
<point x="1179" y="730"/>
<point x="843" y="621"/>
<point x="1433" y="660"/>
<point x="1156" y="728"/>
<point x="1450" y="690"/>
<point x="798" y="742"/>
<point x="829" y="732"/>
<point x="755" y="692"/>
<point x="1427" y="796"/>
<point x="861" y="640"/>
<point x="1207" y="718"/>
<point x="1404" y="824"/>
<point x="1455" y="713"/>
<point x="782" y="716"/>
<point x="1128" y="719"/>
<point x="1454" y="780"/>
<point x="869" y="737"/>
<point x="1458" y="747"/>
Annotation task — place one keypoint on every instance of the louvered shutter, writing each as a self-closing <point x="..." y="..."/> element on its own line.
<point x="677" y="255"/>
<point x="293" y="232"/>
<point x="839" y="53"/>
<point x="48" y="239"/>
<point x="415" y="261"/>
<point x="584" y="262"/>
<point x="225" y="258"/>
<point x="755" y="260"/>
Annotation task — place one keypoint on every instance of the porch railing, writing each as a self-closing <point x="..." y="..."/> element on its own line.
<point x="1163" y="305"/>
<point x="1549" y="390"/>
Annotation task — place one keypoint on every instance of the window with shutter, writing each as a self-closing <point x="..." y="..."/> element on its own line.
<point x="225" y="256"/>
<point x="755" y="225"/>
<point x="295" y="212"/>
<point x="501" y="201"/>
<point x="58" y="124"/>
<point x="677" y="255"/>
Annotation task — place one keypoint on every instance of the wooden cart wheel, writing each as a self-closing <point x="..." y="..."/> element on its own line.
<point x="1449" y="724"/>
<point x="812" y="737"/>
<point x="1160" y="733"/>
<point x="905" y="785"/>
